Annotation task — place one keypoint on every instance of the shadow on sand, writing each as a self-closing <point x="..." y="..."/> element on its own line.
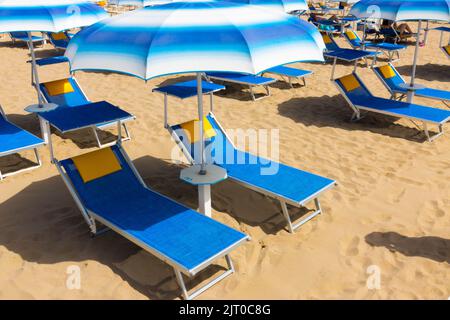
<point x="333" y="111"/>
<point x="53" y="231"/>
<point x="433" y="248"/>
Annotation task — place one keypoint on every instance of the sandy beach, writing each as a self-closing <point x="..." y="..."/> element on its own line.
<point x="390" y="210"/>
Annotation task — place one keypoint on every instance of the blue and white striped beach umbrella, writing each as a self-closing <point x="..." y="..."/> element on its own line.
<point x="283" y="5"/>
<point x="405" y="10"/>
<point x="48" y="15"/>
<point x="184" y="37"/>
<point x="140" y="3"/>
<point x="188" y="37"/>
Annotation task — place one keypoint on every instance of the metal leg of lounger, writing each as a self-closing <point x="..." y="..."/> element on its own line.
<point x="211" y="108"/>
<point x="166" y="116"/>
<point x="427" y="132"/>
<point x="94" y="130"/>
<point x="293" y="226"/>
<point x="334" y="68"/>
<point x="251" y="93"/>
<point x="38" y="164"/>
<point x="196" y="293"/>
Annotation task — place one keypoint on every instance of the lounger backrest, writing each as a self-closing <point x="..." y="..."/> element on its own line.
<point x="389" y="76"/>
<point x="353" y="38"/>
<point x="64" y="92"/>
<point x="447" y="49"/>
<point x="19" y="34"/>
<point x="330" y="44"/>
<point x="217" y="143"/>
<point x="108" y="184"/>
<point x="353" y="87"/>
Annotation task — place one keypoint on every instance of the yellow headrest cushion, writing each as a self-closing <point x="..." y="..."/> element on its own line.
<point x="57" y="87"/>
<point x="97" y="164"/>
<point x="59" y="36"/>
<point x="326" y="38"/>
<point x="192" y="130"/>
<point x="101" y="3"/>
<point x="387" y="71"/>
<point x="350" y="82"/>
<point x="351" y="35"/>
<point x="447" y="49"/>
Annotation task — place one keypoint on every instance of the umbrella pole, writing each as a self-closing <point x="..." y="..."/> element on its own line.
<point x="410" y="94"/>
<point x="34" y="68"/>
<point x="45" y="130"/>
<point x="200" y="123"/>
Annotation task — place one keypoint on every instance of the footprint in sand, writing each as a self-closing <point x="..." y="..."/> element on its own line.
<point x="350" y="246"/>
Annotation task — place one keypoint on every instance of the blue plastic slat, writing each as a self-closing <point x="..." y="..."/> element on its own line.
<point x="68" y="119"/>
<point x="179" y="233"/>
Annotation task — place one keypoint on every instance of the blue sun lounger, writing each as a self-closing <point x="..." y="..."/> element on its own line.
<point x="59" y="40"/>
<point x="389" y="49"/>
<point x="360" y="98"/>
<point x="286" y="184"/>
<point x="348" y="55"/>
<point x="393" y="81"/>
<point x="289" y="73"/>
<point x="108" y="189"/>
<point x="67" y="93"/>
<point x="22" y="36"/>
<point x="14" y="140"/>
<point x="243" y="79"/>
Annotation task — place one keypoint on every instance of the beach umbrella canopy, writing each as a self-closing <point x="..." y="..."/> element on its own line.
<point x="140" y="3"/>
<point x="283" y="5"/>
<point x="46" y="16"/>
<point x="195" y="37"/>
<point x="405" y="10"/>
<point x="186" y="37"/>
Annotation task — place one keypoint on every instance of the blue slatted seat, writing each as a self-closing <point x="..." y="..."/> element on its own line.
<point x="394" y="82"/>
<point x="287" y="184"/>
<point x="360" y="98"/>
<point x="242" y="79"/>
<point x="14" y="139"/>
<point x="182" y="237"/>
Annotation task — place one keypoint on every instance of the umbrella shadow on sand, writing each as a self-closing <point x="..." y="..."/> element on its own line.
<point x="334" y="112"/>
<point x="433" y="248"/>
<point x="52" y="231"/>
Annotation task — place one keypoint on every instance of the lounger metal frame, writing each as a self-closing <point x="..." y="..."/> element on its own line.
<point x="14" y="40"/>
<point x="292" y="226"/>
<point x="125" y="137"/>
<point x="91" y="218"/>
<point x="50" y="39"/>
<point x="250" y="86"/>
<point x="329" y="54"/>
<point x="357" y="113"/>
<point x="389" y="53"/>
<point x="402" y="95"/>
<point x="34" y="147"/>
<point x="289" y="78"/>
<point x="94" y="129"/>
